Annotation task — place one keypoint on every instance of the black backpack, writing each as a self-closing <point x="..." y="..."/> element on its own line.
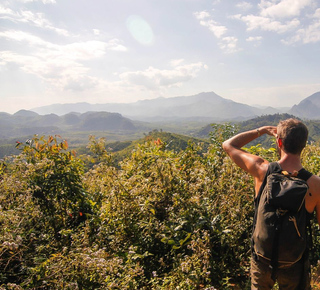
<point x="280" y="235"/>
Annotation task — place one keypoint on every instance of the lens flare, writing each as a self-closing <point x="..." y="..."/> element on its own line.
<point x="140" y="30"/>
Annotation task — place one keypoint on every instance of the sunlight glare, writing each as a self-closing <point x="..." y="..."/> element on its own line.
<point x="140" y="30"/>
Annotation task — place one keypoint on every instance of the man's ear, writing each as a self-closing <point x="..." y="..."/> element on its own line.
<point x="279" y="142"/>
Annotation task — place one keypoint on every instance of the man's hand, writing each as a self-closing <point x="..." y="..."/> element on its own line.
<point x="270" y="130"/>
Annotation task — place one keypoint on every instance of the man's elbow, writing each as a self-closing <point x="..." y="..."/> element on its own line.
<point x="226" y="146"/>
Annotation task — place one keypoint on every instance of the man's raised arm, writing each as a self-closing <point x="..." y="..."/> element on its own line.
<point x="253" y="164"/>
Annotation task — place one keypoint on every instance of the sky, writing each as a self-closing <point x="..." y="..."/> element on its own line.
<point x="259" y="52"/>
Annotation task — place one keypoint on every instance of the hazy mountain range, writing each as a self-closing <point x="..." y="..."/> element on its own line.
<point x="25" y="122"/>
<point x="204" y="107"/>
<point x="191" y="116"/>
<point x="201" y="106"/>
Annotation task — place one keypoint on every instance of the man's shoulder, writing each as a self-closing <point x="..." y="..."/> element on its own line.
<point x="313" y="198"/>
<point x="314" y="185"/>
<point x="314" y="180"/>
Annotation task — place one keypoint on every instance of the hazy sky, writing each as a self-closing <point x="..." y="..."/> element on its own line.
<point x="64" y="51"/>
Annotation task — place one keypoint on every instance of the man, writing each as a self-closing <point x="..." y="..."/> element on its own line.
<point x="291" y="137"/>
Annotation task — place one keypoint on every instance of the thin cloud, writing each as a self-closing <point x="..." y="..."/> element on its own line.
<point x="116" y="45"/>
<point x="5" y="12"/>
<point x="80" y="84"/>
<point x="153" y="78"/>
<point x="202" y="15"/>
<point x="317" y="14"/>
<point x="43" y="1"/>
<point x="218" y="30"/>
<point x="228" y="44"/>
<point x="286" y="17"/>
<point x="96" y="31"/>
<point x="255" y="22"/>
<point x="256" y="40"/>
<point x="33" y="19"/>
<point x="20" y="36"/>
<point x="63" y="66"/>
<point x="310" y="34"/>
<point x="58" y="65"/>
<point x="283" y="9"/>
<point x="244" y="6"/>
<point x="204" y="19"/>
<point x="176" y="62"/>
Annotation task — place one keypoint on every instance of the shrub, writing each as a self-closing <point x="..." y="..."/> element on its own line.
<point x="160" y="219"/>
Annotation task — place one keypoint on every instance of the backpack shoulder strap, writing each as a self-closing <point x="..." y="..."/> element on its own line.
<point x="304" y="174"/>
<point x="273" y="167"/>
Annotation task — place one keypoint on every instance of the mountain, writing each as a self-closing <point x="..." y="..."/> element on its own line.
<point x="203" y="105"/>
<point x="26" y="122"/>
<point x="309" y="108"/>
<point x="25" y="113"/>
<point x="103" y="121"/>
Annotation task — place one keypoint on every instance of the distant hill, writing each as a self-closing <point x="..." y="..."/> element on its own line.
<point x="25" y="113"/>
<point x="30" y="123"/>
<point x="201" y="106"/>
<point x="102" y="121"/>
<point x="309" y="108"/>
<point x="172" y="141"/>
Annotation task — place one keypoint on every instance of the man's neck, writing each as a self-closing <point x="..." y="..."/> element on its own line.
<point x="290" y="162"/>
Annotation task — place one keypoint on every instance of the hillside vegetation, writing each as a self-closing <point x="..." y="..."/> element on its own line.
<point x="161" y="219"/>
<point x="24" y="125"/>
<point x="118" y="130"/>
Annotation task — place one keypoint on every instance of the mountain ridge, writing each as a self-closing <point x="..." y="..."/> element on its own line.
<point x="308" y="108"/>
<point x="26" y="122"/>
<point x="202" y="105"/>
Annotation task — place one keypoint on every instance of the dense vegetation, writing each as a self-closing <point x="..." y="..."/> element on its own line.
<point x="161" y="218"/>
<point x="120" y="134"/>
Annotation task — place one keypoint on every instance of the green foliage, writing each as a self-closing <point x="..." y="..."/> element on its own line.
<point x="53" y="176"/>
<point x="218" y="134"/>
<point x="42" y="203"/>
<point x="160" y="219"/>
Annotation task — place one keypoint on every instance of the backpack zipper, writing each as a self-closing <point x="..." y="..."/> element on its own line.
<point x="293" y="219"/>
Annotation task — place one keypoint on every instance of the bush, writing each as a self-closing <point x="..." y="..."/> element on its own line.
<point x="160" y="219"/>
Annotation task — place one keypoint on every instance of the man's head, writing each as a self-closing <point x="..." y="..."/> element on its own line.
<point x="293" y="134"/>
